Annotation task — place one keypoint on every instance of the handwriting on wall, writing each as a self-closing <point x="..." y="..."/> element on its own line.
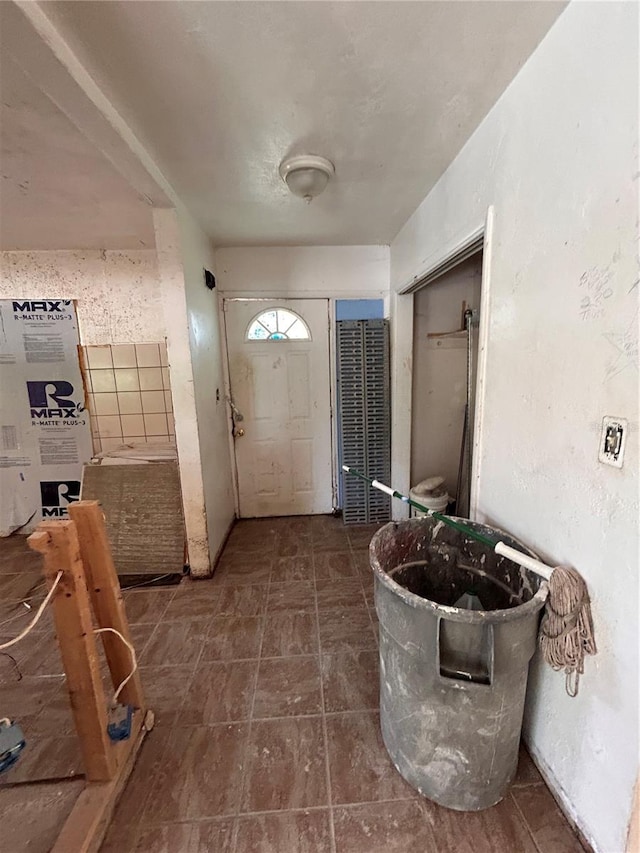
<point x="594" y="284"/>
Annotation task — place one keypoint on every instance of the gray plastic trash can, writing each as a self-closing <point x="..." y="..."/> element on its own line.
<point x="453" y="681"/>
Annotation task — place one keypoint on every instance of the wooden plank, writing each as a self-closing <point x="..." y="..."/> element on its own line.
<point x="106" y="596"/>
<point x="74" y="628"/>
<point x="86" y="826"/>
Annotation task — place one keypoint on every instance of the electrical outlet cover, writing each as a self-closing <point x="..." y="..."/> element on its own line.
<point x="612" y="441"/>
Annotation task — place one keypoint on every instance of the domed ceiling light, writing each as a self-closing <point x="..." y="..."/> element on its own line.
<point x="306" y="176"/>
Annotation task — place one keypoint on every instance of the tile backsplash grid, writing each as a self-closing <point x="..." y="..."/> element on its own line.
<point x="129" y="394"/>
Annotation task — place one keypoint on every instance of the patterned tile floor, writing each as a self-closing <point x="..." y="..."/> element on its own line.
<point x="264" y="684"/>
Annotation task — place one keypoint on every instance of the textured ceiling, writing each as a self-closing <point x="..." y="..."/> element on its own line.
<point x="219" y="93"/>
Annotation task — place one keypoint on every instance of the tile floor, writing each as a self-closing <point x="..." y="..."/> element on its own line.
<point x="264" y="684"/>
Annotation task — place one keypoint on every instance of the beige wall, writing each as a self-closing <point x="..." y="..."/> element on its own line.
<point x="557" y="160"/>
<point x="193" y="343"/>
<point x="440" y="373"/>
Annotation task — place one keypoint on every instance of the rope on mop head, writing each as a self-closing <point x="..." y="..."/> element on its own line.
<point x="566" y="632"/>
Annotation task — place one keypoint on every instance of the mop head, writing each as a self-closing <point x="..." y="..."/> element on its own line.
<point x="566" y="632"/>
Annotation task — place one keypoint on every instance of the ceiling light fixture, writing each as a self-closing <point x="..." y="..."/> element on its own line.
<point x="306" y="176"/>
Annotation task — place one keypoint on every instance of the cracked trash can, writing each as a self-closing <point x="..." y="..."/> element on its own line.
<point x="453" y="678"/>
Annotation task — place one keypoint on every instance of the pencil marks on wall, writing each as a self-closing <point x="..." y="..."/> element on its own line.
<point x="594" y="285"/>
<point x="625" y="346"/>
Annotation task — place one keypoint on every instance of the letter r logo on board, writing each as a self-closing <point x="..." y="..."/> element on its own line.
<point x="59" y="391"/>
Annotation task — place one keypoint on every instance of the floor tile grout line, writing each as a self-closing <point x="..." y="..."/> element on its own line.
<point x="370" y="607"/>
<point x="276" y="812"/>
<point x="325" y="735"/>
<point x="281" y="718"/>
<point x="525" y="822"/>
<point x="247" y="751"/>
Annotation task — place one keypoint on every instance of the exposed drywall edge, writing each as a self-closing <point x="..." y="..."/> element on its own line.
<point x="171" y="273"/>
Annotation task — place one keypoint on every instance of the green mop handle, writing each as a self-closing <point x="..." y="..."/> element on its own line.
<point x="500" y="548"/>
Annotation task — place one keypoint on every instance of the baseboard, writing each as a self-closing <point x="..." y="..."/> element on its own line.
<point x="225" y="539"/>
<point x="561" y="799"/>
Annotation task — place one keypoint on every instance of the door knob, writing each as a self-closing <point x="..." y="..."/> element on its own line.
<point x="238" y="433"/>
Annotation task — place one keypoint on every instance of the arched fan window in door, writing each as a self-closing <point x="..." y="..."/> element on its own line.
<point x="278" y="324"/>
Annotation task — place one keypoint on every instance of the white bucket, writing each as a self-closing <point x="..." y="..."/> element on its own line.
<point x="437" y="504"/>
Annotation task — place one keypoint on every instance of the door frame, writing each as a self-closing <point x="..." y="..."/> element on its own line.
<point x="223" y="299"/>
<point x="483" y="237"/>
<point x="259" y="296"/>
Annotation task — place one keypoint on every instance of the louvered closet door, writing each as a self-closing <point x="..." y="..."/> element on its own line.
<point x="364" y="404"/>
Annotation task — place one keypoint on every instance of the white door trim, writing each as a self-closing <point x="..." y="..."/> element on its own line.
<point x="333" y="393"/>
<point x="401" y="458"/>
<point x="307" y="294"/>
<point x="227" y="402"/>
<point x="442" y="262"/>
<point x="481" y="372"/>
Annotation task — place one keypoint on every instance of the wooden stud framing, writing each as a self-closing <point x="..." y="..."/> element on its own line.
<point x="106" y="597"/>
<point x="80" y="549"/>
<point x="86" y="826"/>
<point x="57" y="541"/>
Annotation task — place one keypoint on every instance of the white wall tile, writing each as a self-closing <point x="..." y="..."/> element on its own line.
<point x="163" y="355"/>
<point x="168" y="402"/>
<point x="106" y="404"/>
<point x="156" y="439"/>
<point x="150" y="378"/>
<point x="152" y="402"/>
<point x="98" y="356"/>
<point x="132" y="424"/>
<point x="124" y="355"/>
<point x="127" y="379"/>
<point x="129" y="403"/>
<point x="110" y="443"/>
<point x="148" y="355"/>
<point x="155" y="425"/>
<point x="102" y="381"/>
<point x="166" y="383"/>
<point x="109" y="427"/>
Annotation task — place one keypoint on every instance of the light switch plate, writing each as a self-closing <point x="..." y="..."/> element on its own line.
<point x="612" y="441"/>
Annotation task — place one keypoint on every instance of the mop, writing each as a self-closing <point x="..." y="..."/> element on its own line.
<point x="566" y="633"/>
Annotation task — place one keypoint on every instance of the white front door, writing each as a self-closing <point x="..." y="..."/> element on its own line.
<point x="279" y="376"/>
